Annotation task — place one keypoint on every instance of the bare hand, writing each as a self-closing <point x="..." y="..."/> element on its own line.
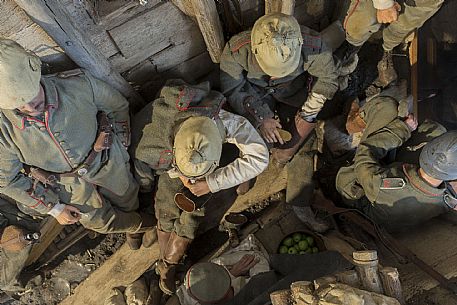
<point x="198" y="188"/>
<point x="388" y="15"/>
<point x="269" y="131"/>
<point x="243" y="265"/>
<point x="69" y="215"/>
<point x="411" y="122"/>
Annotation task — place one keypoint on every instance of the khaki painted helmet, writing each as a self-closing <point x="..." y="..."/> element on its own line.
<point x="197" y="147"/>
<point x="208" y="283"/>
<point x="20" y="73"/>
<point x="276" y="42"/>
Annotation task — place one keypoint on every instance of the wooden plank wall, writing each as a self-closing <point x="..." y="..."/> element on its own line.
<point x="16" y="25"/>
<point x="147" y="44"/>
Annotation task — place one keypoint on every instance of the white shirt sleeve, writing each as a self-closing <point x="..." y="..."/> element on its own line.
<point x="253" y="154"/>
<point x="383" y="4"/>
<point x="56" y="210"/>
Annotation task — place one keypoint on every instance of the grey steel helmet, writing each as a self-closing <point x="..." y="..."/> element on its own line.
<point x="438" y="158"/>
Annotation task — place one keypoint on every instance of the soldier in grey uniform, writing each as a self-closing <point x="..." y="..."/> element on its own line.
<point x="63" y="146"/>
<point x="405" y="191"/>
<point x="179" y="137"/>
<point x="366" y="17"/>
<point x="284" y="69"/>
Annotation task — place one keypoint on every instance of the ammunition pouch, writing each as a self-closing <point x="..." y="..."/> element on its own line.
<point x="40" y="175"/>
<point x="104" y="138"/>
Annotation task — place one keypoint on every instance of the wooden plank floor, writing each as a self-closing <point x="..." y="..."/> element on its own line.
<point x="126" y="265"/>
<point x="436" y="244"/>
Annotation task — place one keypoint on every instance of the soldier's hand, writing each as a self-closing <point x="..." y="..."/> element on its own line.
<point x="243" y="265"/>
<point x="269" y="131"/>
<point x="198" y="188"/>
<point x="411" y="122"/>
<point x="388" y="15"/>
<point x="69" y="215"/>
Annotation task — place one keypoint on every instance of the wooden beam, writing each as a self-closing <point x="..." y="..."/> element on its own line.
<point x="121" y="269"/>
<point x="185" y="6"/>
<point x="53" y="18"/>
<point x="207" y="17"/>
<point x="210" y="27"/>
<point x="413" y="52"/>
<point x="279" y="6"/>
<point x="50" y="229"/>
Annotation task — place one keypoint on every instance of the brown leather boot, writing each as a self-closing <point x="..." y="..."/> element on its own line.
<point x="134" y="240"/>
<point x="148" y="223"/>
<point x="300" y="132"/>
<point x="149" y="237"/>
<point x="175" y="250"/>
<point x="163" y="238"/>
<point x="386" y="70"/>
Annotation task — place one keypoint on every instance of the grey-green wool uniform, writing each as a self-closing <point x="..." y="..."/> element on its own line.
<point x="361" y="21"/>
<point x="155" y="129"/>
<point x="391" y="193"/>
<point x="59" y="142"/>
<point x="253" y="94"/>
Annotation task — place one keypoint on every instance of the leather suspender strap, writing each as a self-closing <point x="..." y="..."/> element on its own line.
<point x="101" y="145"/>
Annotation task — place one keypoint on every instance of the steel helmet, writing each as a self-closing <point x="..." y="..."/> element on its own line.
<point x="438" y="158"/>
<point x="208" y="282"/>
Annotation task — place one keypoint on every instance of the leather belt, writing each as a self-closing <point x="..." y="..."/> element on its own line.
<point x="102" y="144"/>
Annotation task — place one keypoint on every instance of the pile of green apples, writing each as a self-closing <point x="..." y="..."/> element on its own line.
<point x="298" y="243"/>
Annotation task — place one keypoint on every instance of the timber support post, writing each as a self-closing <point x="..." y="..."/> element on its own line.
<point x="280" y="6"/>
<point x="210" y="27"/>
<point x="207" y="17"/>
<point x="53" y="18"/>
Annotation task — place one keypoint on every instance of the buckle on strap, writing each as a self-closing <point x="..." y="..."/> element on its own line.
<point x="450" y="201"/>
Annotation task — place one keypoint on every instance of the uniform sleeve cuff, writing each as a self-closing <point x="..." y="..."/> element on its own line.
<point x="212" y="184"/>
<point x="56" y="210"/>
<point x="383" y="4"/>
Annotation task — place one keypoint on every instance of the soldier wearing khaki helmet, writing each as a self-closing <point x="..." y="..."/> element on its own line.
<point x="179" y="138"/>
<point x="282" y="69"/>
<point x="63" y="146"/>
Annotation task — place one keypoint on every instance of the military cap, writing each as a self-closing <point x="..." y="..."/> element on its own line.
<point x="197" y="147"/>
<point x="438" y="158"/>
<point x="208" y="282"/>
<point x="276" y="42"/>
<point x="184" y="92"/>
<point x="20" y="73"/>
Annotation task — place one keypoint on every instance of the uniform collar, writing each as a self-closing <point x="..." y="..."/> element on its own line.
<point x="52" y="96"/>
<point x="412" y="172"/>
<point x="51" y="102"/>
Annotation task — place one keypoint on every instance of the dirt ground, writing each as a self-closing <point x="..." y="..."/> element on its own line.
<point x="53" y="283"/>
